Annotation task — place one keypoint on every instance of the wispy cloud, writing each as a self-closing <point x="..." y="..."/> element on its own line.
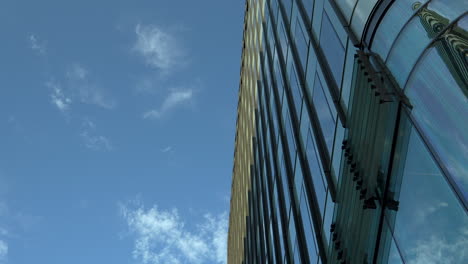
<point x="36" y="45"/>
<point x="162" y="237"/>
<point x="166" y="149"/>
<point x="159" y="48"/>
<point x="77" y="72"/>
<point x="3" y="251"/>
<point x="437" y="249"/>
<point x="87" y="91"/>
<point x="92" y="140"/>
<point x="77" y="87"/>
<point x="174" y="99"/>
<point x="58" y="97"/>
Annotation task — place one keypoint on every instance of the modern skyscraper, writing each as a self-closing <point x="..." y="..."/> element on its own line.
<point x="352" y="133"/>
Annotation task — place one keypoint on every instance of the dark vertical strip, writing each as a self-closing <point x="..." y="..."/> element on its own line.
<point x="279" y="184"/>
<point x="260" y="178"/>
<point x="269" y="179"/>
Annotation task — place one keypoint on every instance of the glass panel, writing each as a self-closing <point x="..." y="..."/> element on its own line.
<point x="392" y="23"/>
<point x="283" y="39"/>
<point x="284" y="179"/>
<point x="317" y="18"/>
<point x="361" y="15"/>
<point x="328" y="218"/>
<point x="336" y="156"/>
<point x="417" y="35"/>
<point x="309" y="8"/>
<point x="324" y="113"/>
<point x="347" y="7"/>
<point x="332" y="49"/>
<point x="296" y="92"/>
<point x="348" y="74"/>
<point x="316" y="171"/>
<point x="438" y="111"/>
<point x="305" y="125"/>
<point x="430" y="224"/>
<point x="302" y="42"/>
<point x="298" y="178"/>
<point x="308" y="229"/>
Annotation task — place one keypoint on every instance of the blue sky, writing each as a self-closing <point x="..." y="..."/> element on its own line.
<point x="117" y="124"/>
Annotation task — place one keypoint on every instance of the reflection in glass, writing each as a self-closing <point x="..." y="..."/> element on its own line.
<point x="430" y="224"/>
<point x="332" y="48"/>
<point x="438" y="91"/>
<point x="391" y="24"/>
<point x="324" y="113"/>
<point x="418" y="33"/>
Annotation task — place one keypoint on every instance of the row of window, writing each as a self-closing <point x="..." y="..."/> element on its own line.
<point x="289" y="205"/>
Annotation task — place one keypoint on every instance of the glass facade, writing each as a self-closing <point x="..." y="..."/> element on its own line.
<point x="351" y="143"/>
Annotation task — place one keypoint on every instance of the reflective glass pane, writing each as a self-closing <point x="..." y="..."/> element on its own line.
<point x="361" y="15"/>
<point x="308" y="229"/>
<point x="316" y="171"/>
<point x="429" y="22"/>
<point x="324" y="113"/>
<point x="439" y="93"/>
<point x="328" y="218"/>
<point x="347" y="7"/>
<point x="309" y="8"/>
<point x="302" y="42"/>
<point x="332" y="49"/>
<point x="392" y="23"/>
<point x="430" y="224"/>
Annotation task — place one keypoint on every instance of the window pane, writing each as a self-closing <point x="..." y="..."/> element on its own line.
<point x="430" y="224"/>
<point x="438" y="92"/>
<point x="418" y="34"/>
<point x="392" y="23"/>
<point x="308" y="229"/>
<point x="316" y="171"/>
<point x="332" y="48"/>
<point x="324" y="113"/>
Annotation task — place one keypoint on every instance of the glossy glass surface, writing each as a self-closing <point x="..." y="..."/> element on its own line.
<point x="392" y="23"/>
<point x="347" y="7"/>
<point x="325" y="114"/>
<point x="417" y="35"/>
<point x="430" y="224"/>
<point x="302" y="42"/>
<point x="440" y="104"/>
<point x="332" y="49"/>
<point x="316" y="171"/>
<point x="309" y="8"/>
<point x="361" y="15"/>
<point x="308" y="229"/>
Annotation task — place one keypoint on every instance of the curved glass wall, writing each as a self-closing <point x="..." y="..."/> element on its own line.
<point x="430" y="21"/>
<point x="430" y="225"/>
<point x="424" y="44"/>
<point x="438" y="92"/>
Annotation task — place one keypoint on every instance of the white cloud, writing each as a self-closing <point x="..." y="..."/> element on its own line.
<point x="58" y="97"/>
<point x="162" y="237"/>
<point x="78" y="88"/>
<point x="437" y="249"/>
<point x="87" y="91"/>
<point x="159" y="48"/>
<point x="77" y="72"/>
<point x="92" y="140"/>
<point x="174" y="99"/>
<point x="166" y="149"/>
<point x="37" y="46"/>
<point x="3" y="251"/>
